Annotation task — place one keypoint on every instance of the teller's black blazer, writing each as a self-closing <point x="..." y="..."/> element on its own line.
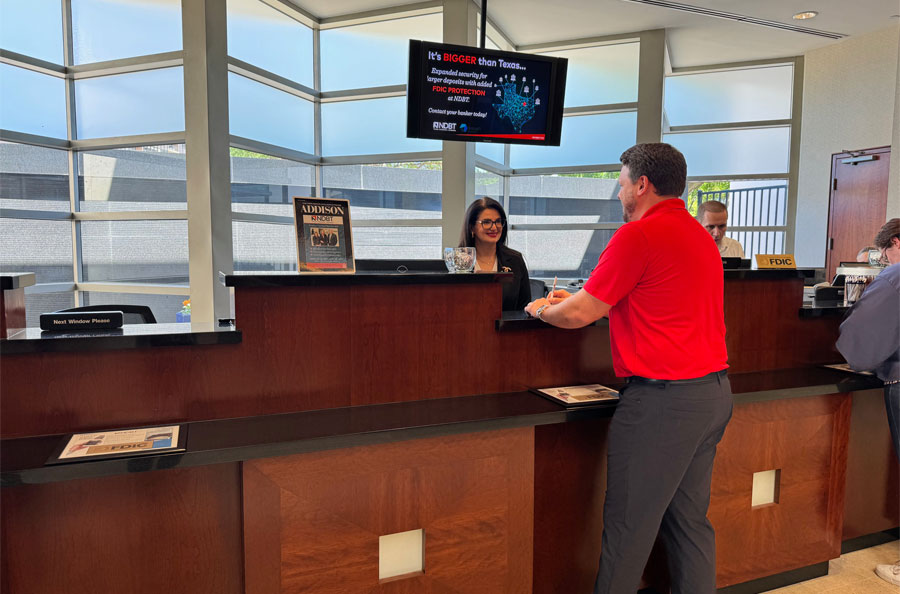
<point x="516" y="294"/>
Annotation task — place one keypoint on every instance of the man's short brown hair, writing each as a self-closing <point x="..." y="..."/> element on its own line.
<point x="889" y="231"/>
<point x="710" y="206"/>
<point x="662" y="163"/>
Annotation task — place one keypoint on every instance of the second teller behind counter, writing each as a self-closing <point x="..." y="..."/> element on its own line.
<point x="485" y="229"/>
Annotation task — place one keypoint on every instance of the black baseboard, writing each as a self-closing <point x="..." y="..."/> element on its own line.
<point x="869" y="540"/>
<point x="779" y="580"/>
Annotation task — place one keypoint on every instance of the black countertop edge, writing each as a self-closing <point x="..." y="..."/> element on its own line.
<point x="731" y="274"/>
<point x="130" y="336"/>
<point x="823" y="311"/>
<point x="16" y="280"/>
<point x="217" y="442"/>
<point x="519" y="320"/>
<point x="281" y="279"/>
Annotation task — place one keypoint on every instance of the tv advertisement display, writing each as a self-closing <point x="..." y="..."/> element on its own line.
<point x="462" y="93"/>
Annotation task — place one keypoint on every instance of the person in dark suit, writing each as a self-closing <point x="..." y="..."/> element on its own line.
<point x="332" y="238"/>
<point x="485" y="228"/>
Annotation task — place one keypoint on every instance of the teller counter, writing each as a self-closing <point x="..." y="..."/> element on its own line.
<point x="344" y="408"/>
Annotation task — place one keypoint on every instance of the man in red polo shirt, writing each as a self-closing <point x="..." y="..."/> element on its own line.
<point x="660" y="282"/>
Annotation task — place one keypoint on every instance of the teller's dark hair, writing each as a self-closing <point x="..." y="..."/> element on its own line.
<point x="662" y="163"/>
<point x="888" y="231"/>
<point x="467" y="235"/>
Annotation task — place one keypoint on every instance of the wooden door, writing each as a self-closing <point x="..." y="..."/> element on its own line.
<point x="858" y="203"/>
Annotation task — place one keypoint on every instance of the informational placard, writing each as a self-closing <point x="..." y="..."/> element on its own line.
<point x="324" y="238"/>
<point x="121" y="443"/>
<point x="463" y="93"/>
<point x="579" y="395"/>
<point x="775" y="261"/>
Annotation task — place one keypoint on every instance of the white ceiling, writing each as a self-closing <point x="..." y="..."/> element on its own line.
<point x="693" y="39"/>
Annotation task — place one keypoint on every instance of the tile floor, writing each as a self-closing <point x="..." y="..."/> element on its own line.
<point x="853" y="573"/>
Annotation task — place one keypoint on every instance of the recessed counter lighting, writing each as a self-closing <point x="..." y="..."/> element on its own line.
<point x="802" y="16"/>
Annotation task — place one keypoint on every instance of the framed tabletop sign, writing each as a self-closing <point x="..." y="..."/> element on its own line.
<point x="324" y="240"/>
<point x="121" y="443"/>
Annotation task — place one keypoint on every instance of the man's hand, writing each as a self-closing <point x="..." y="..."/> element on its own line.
<point x="531" y="308"/>
<point x="558" y="296"/>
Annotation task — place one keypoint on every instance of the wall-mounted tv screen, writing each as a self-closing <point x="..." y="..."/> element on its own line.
<point x="464" y="93"/>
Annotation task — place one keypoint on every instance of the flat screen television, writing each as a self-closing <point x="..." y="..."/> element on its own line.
<point x="463" y="93"/>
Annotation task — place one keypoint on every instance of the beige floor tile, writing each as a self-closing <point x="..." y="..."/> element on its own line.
<point x="853" y="573"/>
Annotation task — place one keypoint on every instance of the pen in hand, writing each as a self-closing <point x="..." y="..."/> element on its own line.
<point x="553" y="289"/>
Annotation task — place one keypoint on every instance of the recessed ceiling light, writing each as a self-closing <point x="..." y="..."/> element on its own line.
<point x="800" y="16"/>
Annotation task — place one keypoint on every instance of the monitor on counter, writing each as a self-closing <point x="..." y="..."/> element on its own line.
<point x="463" y="93"/>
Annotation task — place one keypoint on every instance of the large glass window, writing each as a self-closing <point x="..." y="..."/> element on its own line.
<point x="135" y="251"/>
<point x="264" y="246"/>
<point x="129" y="179"/>
<point x="374" y="54"/>
<point x="602" y="74"/>
<point x="113" y="29"/>
<point x="387" y="191"/>
<point x="262" y="184"/>
<point x="586" y="140"/>
<point x="41" y="247"/>
<point x="32" y="102"/>
<point x="734" y="152"/>
<point x="488" y="184"/>
<point x="587" y="198"/>
<point x="135" y="103"/>
<point x="33" y="178"/>
<point x="397" y="243"/>
<point x="164" y="307"/>
<point x="373" y="126"/>
<point x="261" y="35"/>
<point x="33" y="28"/>
<point x="266" y="114"/>
<point x="731" y="96"/>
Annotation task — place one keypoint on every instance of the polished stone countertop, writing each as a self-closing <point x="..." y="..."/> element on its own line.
<point x="22" y="461"/>
<point x="295" y="279"/>
<point x="129" y="336"/>
<point x="15" y="280"/>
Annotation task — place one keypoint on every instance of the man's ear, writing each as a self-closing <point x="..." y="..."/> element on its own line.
<point x="643" y="185"/>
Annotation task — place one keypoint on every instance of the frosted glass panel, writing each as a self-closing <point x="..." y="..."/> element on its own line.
<point x="387" y="190"/>
<point x="32" y="102"/>
<point x="33" y="28"/>
<point x="111" y="29"/>
<point x="730" y="152"/>
<point x="262" y="36"/>
<point x="732" y="96"/>
<point x="603" y="74"/>
<point x="266" y="185"/>
<point x="126" y="104"/>
<point x="488" y="184"/>
<point x="586" y="140"/>
<point x="372" y="126"/>
<point x="374" y="54"/>
<point x="264" y="246"/>
<point x="491" y="150"/>
<point x="264" y="113"/>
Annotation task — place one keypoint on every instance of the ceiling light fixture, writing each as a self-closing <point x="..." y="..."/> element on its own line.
<point x="802" y="16"/>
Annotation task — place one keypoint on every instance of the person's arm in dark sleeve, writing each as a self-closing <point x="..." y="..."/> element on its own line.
<point x="871" y="332"/>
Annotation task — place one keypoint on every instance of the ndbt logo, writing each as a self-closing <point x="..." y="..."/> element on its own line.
<point x="444" y="126"/>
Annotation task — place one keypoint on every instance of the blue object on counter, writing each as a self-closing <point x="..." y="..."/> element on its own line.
<point x="183" y="317"/>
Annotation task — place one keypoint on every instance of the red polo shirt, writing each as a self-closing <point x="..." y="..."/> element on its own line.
<point x="662" y="275"/>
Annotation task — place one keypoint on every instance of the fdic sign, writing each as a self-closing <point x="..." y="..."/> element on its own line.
<point x="775" y="261"/>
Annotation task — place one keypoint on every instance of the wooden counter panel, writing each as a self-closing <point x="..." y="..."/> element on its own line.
<point x="12" y="311"/>
<point x="873" y="476"/>
<point x="806" y="438"/>
<point x="765" y="331"/>
<point x="315" y="519"/>
<point x="570" y="488"/>
<point x="172" y="531"/>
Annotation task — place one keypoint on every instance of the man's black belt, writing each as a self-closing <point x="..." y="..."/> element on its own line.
<point x="636" y="379"/>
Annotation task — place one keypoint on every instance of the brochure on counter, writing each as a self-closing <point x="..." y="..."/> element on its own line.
<point x="578" y="395"/>
<point x="122" y="443"/>
<point x="846" y="367"/>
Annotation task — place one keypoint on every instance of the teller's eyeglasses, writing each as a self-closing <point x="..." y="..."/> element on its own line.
<point x="488" y="223"/>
